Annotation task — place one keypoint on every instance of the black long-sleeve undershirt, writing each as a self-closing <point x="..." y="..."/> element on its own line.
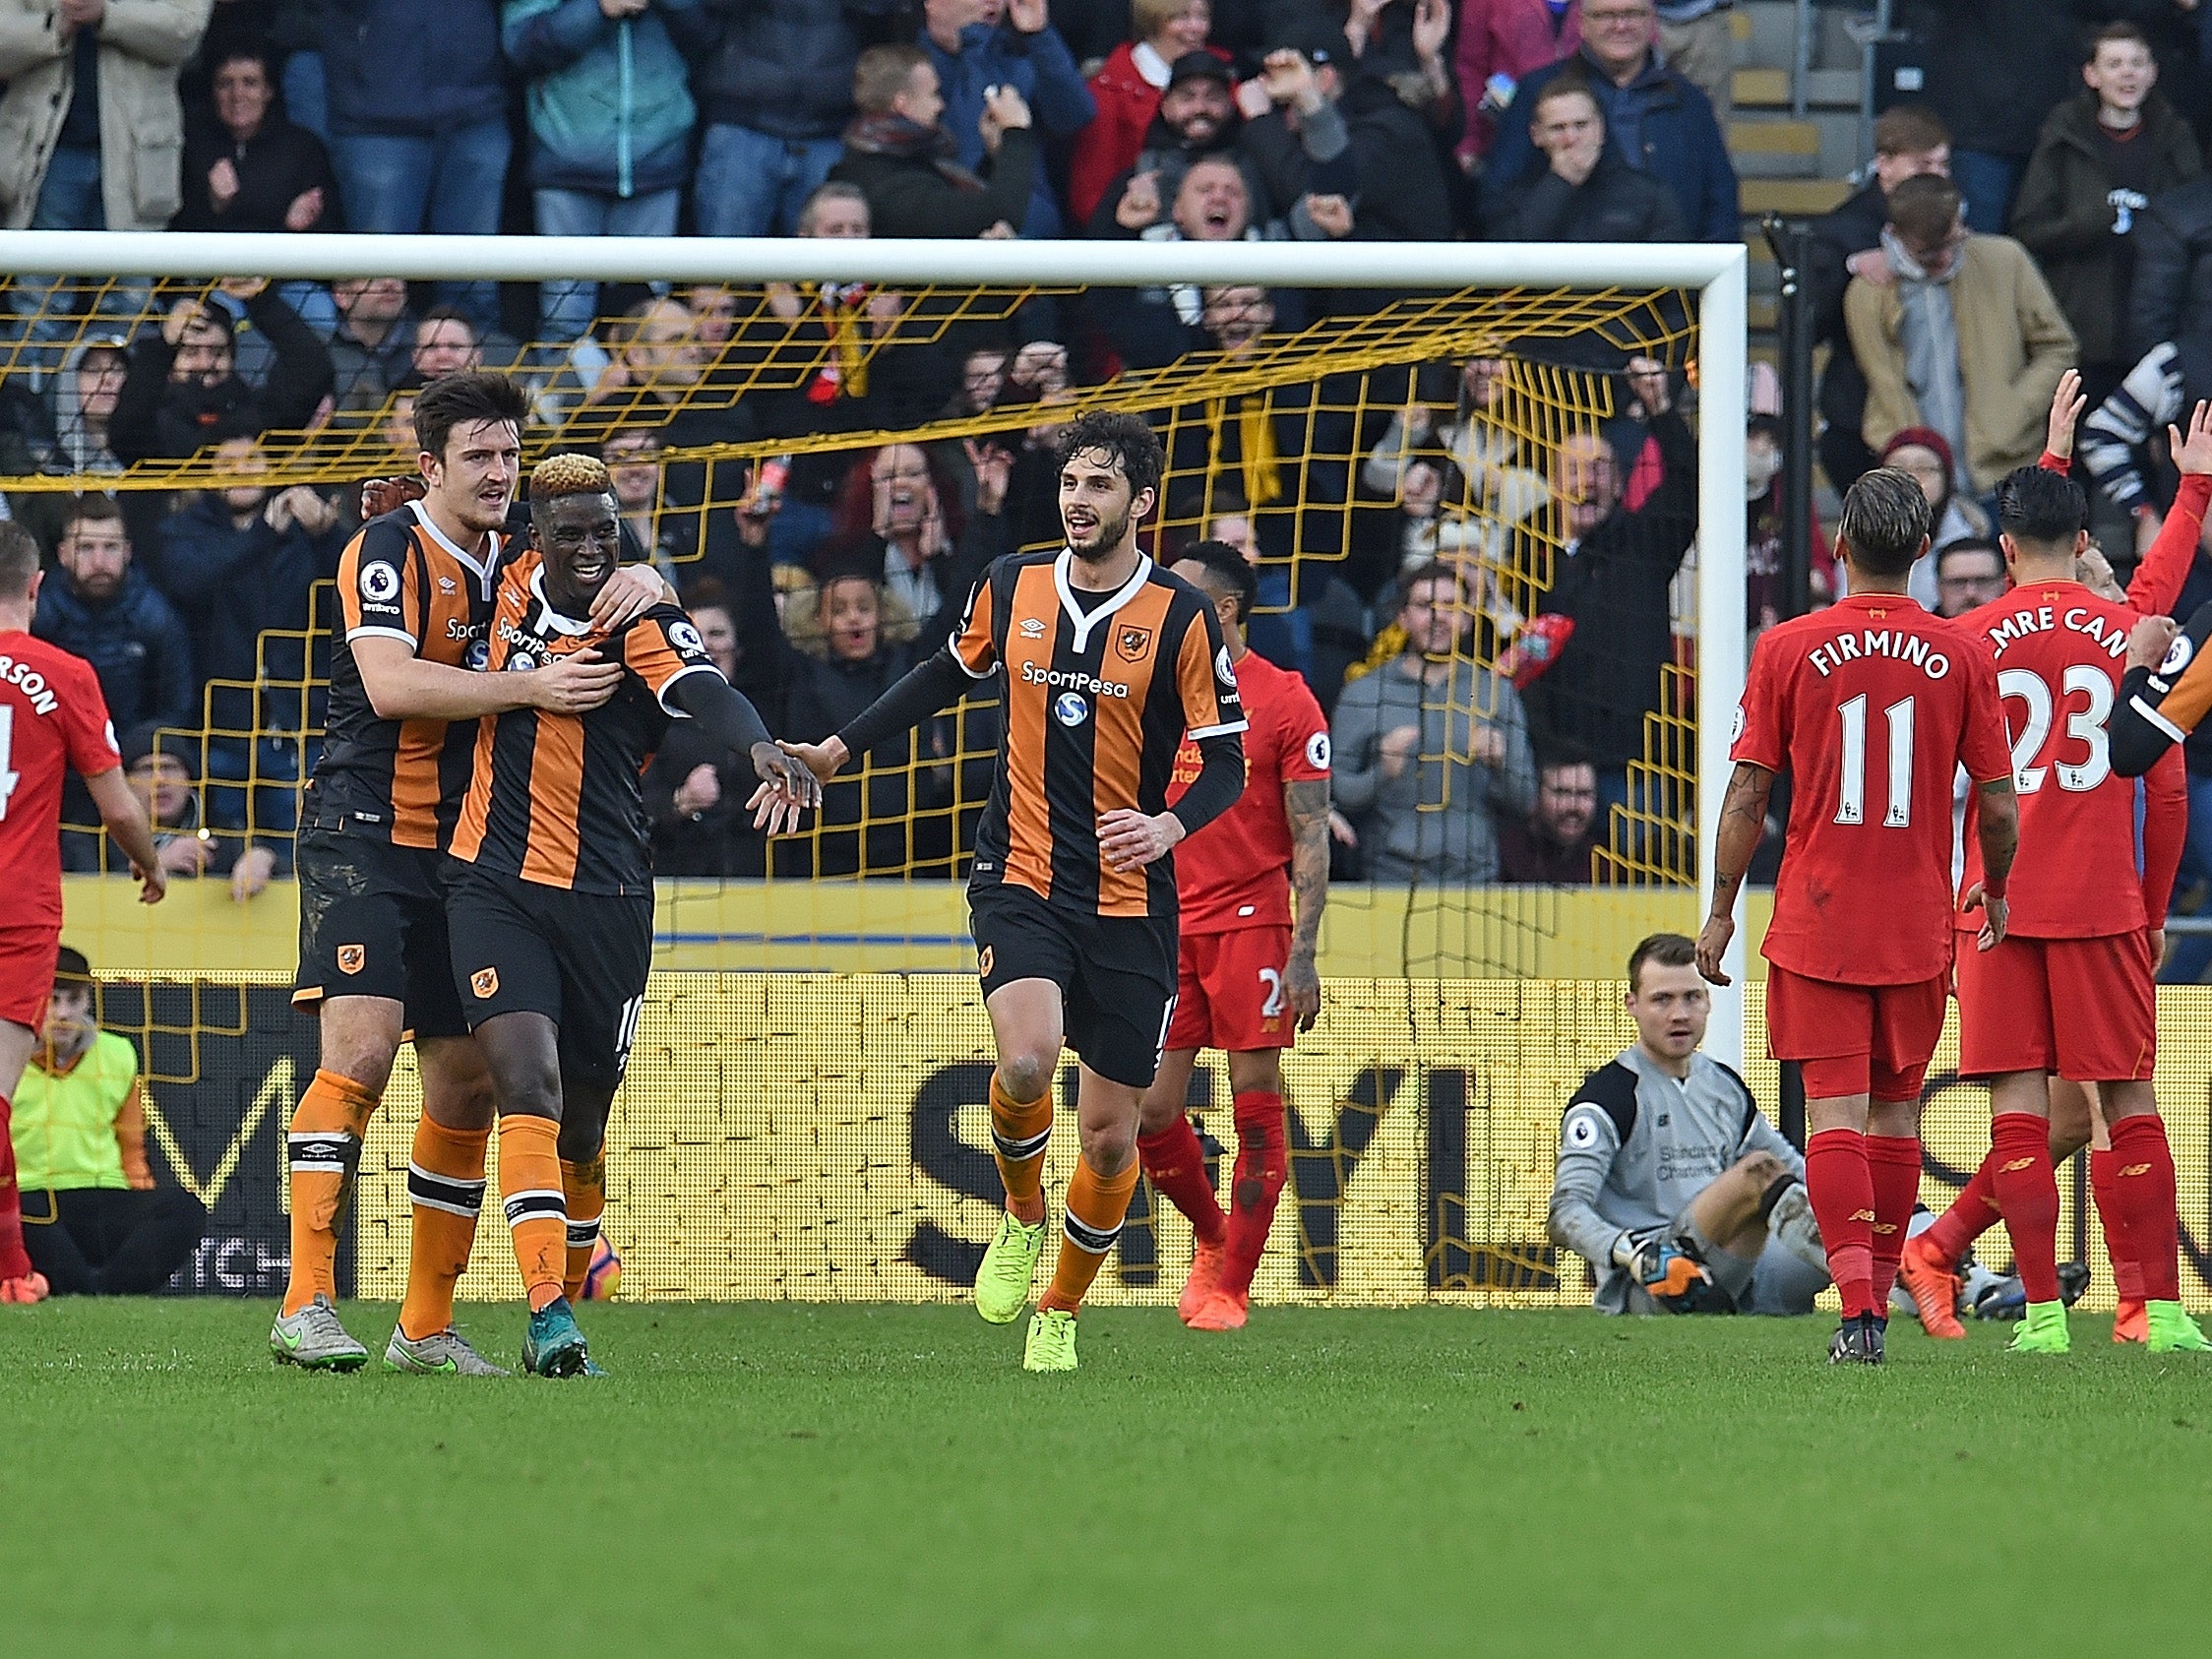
<point x="722" y="712"/>
<point x="1220" y="781"/>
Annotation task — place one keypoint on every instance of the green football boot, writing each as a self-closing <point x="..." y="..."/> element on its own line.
<point x="2042" y="1331"/>
<point x="2172" y="1331"/>
<point x="1052" y="1341"/>
<point x="313" y="1340"/>
<point x="1002" y="1283"/>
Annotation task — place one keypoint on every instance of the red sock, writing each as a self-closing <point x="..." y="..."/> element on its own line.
<point x="1841" y="1187"/>
<point x="1972" y="1213"/>
<point x="1894" y="1166"/>
<point x="15" y="1260"/>
<point x="2027" y="1187"/>
<point x="2128" y="1275"/>
<point x="1175" y="1163"/>
<point x="2143" y="1195"/>
<point x="1262" y="1166"/>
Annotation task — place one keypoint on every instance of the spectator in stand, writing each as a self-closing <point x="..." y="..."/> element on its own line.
<point x="108" y="612"/>
<point x="1283" y="165"/>
<point x="250" y="169"/>
<point x="777" y="94"/>
<point x="1655" y="118"/>
<point x="897" y="151"/>
<point x="1126" y="93"/>
<point x="1966" y="339"/>
<point x="2102" y="156"/>
<point x="103" y="160"/>
<point x="1553" y="845"/>
<point x="1909" y="141"/>
<point x="1952" y="515"/>
<point x="1696" y="37"/>
<point x="976" y="46"/>
<point x="900" y="508"/>
<point x="1484" y="484"/>
<point x="694" y="789"/>
<point x="241" y="564"/>
<point x="183" y="393"/>
<point x="1577" y="188"/>
<point x="1766" y="601"/>
<point x="1431" y="749"/>
<point x="84" y="403"/>
<point x="1969" y="573"/>
<point x="418" y="124"/>
<point x="445" y="344"/>
<point x="1152" y="327"/>
<point x="1610" y="581"/>
<point x="371" y="350"/>
<point x="94" y="1220"/>
<point x="1500" y="42"/>
<point x="611" y="117"/>
<point x="655" y="367"/>
<point x="1995" y="68"/>
<point x="1399" y="124"/>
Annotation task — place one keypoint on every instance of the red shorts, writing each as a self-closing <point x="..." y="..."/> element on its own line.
<point x="27" y="974"/>
<point x="2086" y="1008"/>
<point x="1229" y="990"/>
<point x="1855" y="1039"/>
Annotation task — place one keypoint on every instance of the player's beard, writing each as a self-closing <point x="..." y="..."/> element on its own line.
<point x="1103" y="541"/>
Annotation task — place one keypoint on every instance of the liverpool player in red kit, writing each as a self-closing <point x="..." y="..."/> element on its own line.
<point x="52" y="718"/>
<point x="2070" y="989"/>
<point x="1245" y="980"/>
<point x="1870" y="705"/>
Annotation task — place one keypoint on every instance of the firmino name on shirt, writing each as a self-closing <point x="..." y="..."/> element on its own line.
<point x="2045" y="619"/>
<point x="1897" y="643"/>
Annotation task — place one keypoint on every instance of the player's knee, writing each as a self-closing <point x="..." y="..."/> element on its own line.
<point x="1257" y="1072"/>
<point x="1026" y="1069"/>
<point x="361" y="1057"/>
<point x="1108" y="1147"/>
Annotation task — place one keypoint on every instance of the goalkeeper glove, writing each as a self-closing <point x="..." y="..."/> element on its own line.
<point x="1666" y="1272"/>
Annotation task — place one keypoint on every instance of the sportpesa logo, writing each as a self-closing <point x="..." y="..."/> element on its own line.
<point x="1073" y="680"/>
<point x="1070" y="710"/>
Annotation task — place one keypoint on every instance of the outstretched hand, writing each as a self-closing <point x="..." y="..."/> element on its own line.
<point x="821" y="759"/>
<point x="2066" y="404"/>
<point x="2193" y="455"/>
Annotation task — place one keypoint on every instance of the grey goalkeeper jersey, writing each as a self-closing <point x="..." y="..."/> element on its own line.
<point x="1635" y="1146"/>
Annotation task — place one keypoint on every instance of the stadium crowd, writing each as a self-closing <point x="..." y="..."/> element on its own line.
<point x="1399" y="516"/>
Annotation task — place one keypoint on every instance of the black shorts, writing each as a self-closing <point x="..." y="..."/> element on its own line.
<point x="579" y="958"/>
<point x="372" y="923"/>
<point x="1115" y="974"/>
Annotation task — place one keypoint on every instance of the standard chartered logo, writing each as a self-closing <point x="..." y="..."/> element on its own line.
<point x="1073" y="679"/>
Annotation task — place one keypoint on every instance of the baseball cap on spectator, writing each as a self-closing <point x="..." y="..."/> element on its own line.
<point x="1198" y="66"/>
<point x="1319" y="39"/>
<point x="71" y="967"/>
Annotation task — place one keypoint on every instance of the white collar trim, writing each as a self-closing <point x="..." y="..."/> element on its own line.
<point x="1085" y="622"/>
<point x="553" y="618"/>
<point x="1151" y="64"/>
<point x="482" y="571"/>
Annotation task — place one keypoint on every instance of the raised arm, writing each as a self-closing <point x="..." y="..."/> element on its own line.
<point x="2165" y="570"/>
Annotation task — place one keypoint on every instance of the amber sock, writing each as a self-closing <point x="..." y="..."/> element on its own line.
<point x="446" y="1193"/>
<point x="529" y="1186"/>
<point x="324" y="1149"/>
<point x="1020" y="1130"/>
<point x="584" y="1184"/>
<point x="1096" y="1205"/>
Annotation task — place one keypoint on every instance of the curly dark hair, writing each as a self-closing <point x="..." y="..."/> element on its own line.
<point x="1127" y="441"/>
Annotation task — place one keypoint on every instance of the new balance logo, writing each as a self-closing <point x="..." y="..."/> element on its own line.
<point x="1862" y="1215"/>
<point x="2016" y="1165"/>
<point x="2135" y="1169"/>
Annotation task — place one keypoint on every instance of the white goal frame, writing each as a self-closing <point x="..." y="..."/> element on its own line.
<point x="1717" y="272"/>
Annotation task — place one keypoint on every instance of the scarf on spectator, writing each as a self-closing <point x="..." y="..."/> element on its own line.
<point x="1927" y="328"/>
<point x="844" y="307"/>
<point x="896" y="136"/>
<point x="1256" y="447"/>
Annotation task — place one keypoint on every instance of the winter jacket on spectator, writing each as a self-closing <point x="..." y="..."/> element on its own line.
<point x="1508" y="37"/>
<point x="158" y="416"/>
<point x="2064" y="215"/>
<point x="610" y="102"/>
<point x="413" y="68"/>
<point x="1659" y="124"/>
<point x="142" y="45"/>
<point x="81" y="439"/>
<point x="1615" y="204"/>
<point x="1851" y="228"/>
<point x="234" y="585"/>
<point x="2173" y="294"/>
<point x="136" y="644"/>
<point x="2013" y="344"/>
<point x="914" y="187"/>
<point x="1280" y="167"/>
<point x="1436" y="820"/>
<point x="1035" y="65"/>
<point x="1612" y="583"/>
<point x="275" y="167"/>
<point x="1126" y="97"/>
<point x="784" y="67"/>
<point x="1401" y="192"/>
<point x="1996" y="67"/>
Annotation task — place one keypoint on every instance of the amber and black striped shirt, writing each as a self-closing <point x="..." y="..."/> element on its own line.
<point x="555" y="798"/>
<point x="401" y="780"/>
<point x="1100" y="689"/>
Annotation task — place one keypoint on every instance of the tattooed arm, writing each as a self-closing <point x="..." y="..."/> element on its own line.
<point x="1743" y="822"/>
<point x="1306" y="806"/>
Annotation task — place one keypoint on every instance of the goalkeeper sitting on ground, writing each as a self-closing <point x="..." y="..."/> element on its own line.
<point x="1672" y="1183"/>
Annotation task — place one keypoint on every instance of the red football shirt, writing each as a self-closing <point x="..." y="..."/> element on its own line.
<point x="52" y="716"/>
<point x="1235" y="873"/>
<point x="1870" y="705"/>
<point x="2060" y="653"/>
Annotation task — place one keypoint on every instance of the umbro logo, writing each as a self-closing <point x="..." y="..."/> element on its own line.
<point x="446" y="585"/>
<point x="1032" y="628"/>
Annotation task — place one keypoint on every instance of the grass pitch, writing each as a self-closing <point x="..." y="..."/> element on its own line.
<point x="808" y="1480"/>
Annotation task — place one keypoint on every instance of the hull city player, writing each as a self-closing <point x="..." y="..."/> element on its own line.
<point x="1106" y="664"/>
<point x="416" y="591"/>
<point x="52" y="719"/>
<point x="1870" y="705"/>
<point x="1246" y="981"/>
<point x="552" y="894"/>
